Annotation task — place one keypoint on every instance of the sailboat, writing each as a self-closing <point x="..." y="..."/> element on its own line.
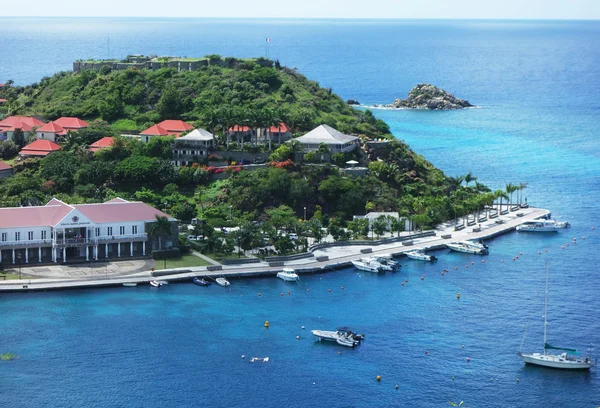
<point x="569" y="359"/>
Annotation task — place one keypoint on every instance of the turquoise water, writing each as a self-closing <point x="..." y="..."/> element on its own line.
<point x="536" y="84"/>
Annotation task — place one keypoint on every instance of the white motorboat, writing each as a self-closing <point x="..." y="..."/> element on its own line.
<point x="341" y="337"/>
<point x="222" y="282"/>
<point x="384" y="267"/>
<point x="468" y="247"/>
<point x="569" y="359"/>
<point x="259" y="359"/>
<point x="365" y="266"/>
<point x="288" y="275"/>
<point x="387" y="261"/>
<point x="420" y="255"/>
<point x="158" y="283"/>
<point x="542" y="225"/>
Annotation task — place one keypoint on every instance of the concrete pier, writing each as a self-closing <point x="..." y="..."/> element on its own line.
<point x="326" y="259"/>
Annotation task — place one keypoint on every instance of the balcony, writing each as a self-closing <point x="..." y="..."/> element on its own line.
<point x="108" y="239"/>
<point x="31" y="243"/>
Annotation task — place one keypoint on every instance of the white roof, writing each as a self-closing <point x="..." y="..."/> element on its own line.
<point x="325" y="134"/>
<point x="373" y="215"/>
<point x="198" y="134"/>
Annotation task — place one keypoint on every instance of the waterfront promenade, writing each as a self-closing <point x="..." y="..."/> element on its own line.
<point x="330" y="258"/>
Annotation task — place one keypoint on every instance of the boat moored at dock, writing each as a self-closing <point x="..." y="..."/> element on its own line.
<point x="288" y="275"/>
<point x="420" y="255"/>
<point x="468" y="247"/>
<point x="366" y="266"/>
<point x="200" y="281"/>
<point x="222" y="282"/>
<point x="542" y="225"/>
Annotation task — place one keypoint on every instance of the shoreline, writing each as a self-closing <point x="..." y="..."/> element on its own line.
<point x="337" y="257"/>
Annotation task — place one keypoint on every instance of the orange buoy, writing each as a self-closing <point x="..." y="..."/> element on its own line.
<point x="289" y="293"/>
<point x="483" y="261"/>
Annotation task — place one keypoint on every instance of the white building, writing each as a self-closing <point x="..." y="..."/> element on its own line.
<point x="336" y="141"/>
<point x="58" y="232"/>
<point x="192" y="147"/>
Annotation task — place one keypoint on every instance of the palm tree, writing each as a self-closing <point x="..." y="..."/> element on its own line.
<point x="468" y="178"/>
<point x="456" y="181"/>
<point x="160" y="227"/>
<point x="500" y="194"/>
<point x="510" y="189"/>
<point x="520" y="188"/>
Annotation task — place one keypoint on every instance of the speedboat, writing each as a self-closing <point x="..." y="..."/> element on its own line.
<point x="375" y="262"/>
<point x="200" y="281"/>
<point x="387" y="261"/>
<point x="288" y="275"/>
<point x="420" y="255"/>
<point x="223" y="282"/>
<point x="468" y="247"/>
<point x="542" y="225"/>
<point x="366" y="266"/>
<point x="259" y="359"/>
<point x="341" y="337"/>
<point x="158" y="283"/>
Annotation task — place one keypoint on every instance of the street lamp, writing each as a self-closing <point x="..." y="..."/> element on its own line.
<point x="304" y="213"/>
<point x="19" y="261"/>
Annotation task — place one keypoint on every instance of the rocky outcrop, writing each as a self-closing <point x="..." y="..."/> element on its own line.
<point x="425" y="96"/>
<point x="352" y="102"/>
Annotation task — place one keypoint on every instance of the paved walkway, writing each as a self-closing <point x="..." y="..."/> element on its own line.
<point x="338" y="255"/>
<point x="206" y="258"/>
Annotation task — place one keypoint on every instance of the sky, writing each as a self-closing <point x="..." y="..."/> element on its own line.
<point x="468" y="9"/>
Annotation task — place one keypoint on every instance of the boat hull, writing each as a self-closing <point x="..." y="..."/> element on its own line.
<point x="222" y="282"/>
<point x="287" y="277"/>
<point x="553" y="361"/>
<point x="364" y="267"/>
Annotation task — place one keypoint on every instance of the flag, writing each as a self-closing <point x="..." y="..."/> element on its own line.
<point x="268" y="40"/>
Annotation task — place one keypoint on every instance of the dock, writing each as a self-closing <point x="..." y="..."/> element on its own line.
<point x="325" y="259"/>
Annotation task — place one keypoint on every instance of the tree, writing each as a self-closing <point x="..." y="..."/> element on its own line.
<point x="380" y="225"/>
<point x="358" y="227"/>
<point x="510" y="189"/>
<point x="282" y="216"/>
<point x="396" y="225"/>
<point x="161" y="227"/>
<point x="19" y="137"/>
<point x="170" y="105"/>
<point x="468" y="178"/>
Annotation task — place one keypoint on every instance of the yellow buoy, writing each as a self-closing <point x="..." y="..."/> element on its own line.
<point x="378" y="378"/>
<point x="267" y="324"/>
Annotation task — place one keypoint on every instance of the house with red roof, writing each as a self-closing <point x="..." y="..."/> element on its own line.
<point x="280" y="133"/>
<point x="102" y="143"/>
<point x="241" y="133"/>
<point x="5" y="170"/>
<point x="165" y="128"/>
<point x="71" y="123"/>
<point x="50" y="131"/>
<point x="39" y="148"/>
<point x="59" y="232"/>
<point x="26" y="123"/>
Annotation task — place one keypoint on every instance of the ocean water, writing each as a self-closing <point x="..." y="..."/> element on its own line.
<point x="535" y="85"/>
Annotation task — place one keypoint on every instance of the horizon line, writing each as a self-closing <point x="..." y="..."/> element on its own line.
<point x="320" y="18"/>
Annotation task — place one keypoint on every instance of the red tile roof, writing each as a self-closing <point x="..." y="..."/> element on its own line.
<point x="238" y="128"/>
<point x="52" y="127"/>
<point x="124" y="211"/>
<point x="29" y="120"/>
<point x="39" y="148"/>
<point x="156" y="131"/>
<point x="115" y="210"/>
<point x="33" y="216"/>
<point x="2" y="100"/>
<point x="17" y="125"/>
<point x="4" y="166"/>
<point x="175" y="126"/>
<point x="283" y="128"/>
<point x="102" y="143"/>
<point x="71" y="123"/>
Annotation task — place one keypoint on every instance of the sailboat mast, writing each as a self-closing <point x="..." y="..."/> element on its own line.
<point x="546" y="308"/>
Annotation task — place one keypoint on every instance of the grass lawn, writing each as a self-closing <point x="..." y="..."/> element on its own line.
<point x="219" y="257"/>
<point x="12" y="274"/>
<point x="186" y="260"/>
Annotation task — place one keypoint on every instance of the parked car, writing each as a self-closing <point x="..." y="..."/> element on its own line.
<point x="293" y="236"/>
<point x="258" y="160"/>
<point x="244" y="162"/>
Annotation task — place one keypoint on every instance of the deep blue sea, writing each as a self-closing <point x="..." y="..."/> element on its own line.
<point x="536" y="85"/>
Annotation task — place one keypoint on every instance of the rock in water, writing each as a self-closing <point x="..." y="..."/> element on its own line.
<point x="425" y="96"/>
<point x="352" y="102"/>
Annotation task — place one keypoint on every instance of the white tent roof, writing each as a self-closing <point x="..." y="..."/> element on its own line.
<point x="351" y="162"/>
<point x="198" y="134"/>
<point x="325" y="134"/>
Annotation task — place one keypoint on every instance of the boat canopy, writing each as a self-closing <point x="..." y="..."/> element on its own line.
<point x="548" y="346"/>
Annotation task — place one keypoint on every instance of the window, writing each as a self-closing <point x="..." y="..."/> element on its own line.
<point x="43" y="234"/>
<point x="4" y="237"/>
<point x="97" y="232"/>
<point x="109" y="231"/>
<point x="30" y="235"/>
<point x="122" y="230"/>
<point x="134" y="229"/>
<point x="17" y="236"/>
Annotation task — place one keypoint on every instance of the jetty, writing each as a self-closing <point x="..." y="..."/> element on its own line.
<point x="324" y="259"/>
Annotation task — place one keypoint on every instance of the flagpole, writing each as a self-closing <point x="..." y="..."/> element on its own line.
<point x="266" y="48"/>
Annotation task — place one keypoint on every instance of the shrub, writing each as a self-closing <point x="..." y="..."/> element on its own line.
<point x="166" y="253"/>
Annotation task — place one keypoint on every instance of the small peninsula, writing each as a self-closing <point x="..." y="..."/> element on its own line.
<point x="426" y="96"/>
